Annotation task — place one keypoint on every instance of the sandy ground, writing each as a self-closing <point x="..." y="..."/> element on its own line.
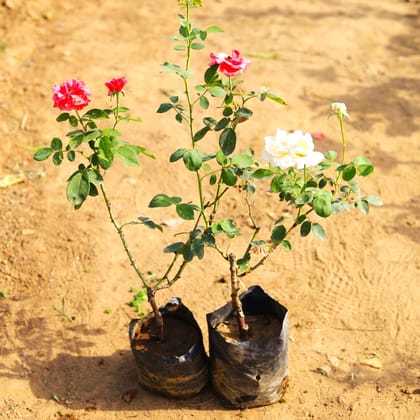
<point x="353" y="299"/>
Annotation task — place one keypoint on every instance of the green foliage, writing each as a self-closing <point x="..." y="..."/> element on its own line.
<point x="98" y="147"/>
<point x="138" y="301"/>
<point x="163" y="200"/>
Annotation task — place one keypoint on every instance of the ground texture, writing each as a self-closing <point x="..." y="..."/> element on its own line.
<point x="353" y="298"/>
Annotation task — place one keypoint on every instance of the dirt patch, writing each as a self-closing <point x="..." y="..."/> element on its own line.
<point x="352" y="298"/>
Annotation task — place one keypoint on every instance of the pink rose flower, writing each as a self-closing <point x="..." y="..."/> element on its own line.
<point x="229" y="65"/>
<point x="116" y="85"/>
<point x="71" y="95"/>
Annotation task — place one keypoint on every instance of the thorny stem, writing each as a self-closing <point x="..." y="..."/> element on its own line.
<point x="158" y="315"/>
<point x="236" y="302"/>
<point x="216" y="199"/>
<point x="122" y="238"/>
<point x="254" y="226"/>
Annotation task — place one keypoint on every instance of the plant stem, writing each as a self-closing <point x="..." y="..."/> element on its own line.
<point x="236" y="302"/>
<point x="150" y="290"/>
<point x="157" y="313"/>
<point x="191" y="116"/>
<point x="122" y="237"/>
<point x="343" y="149"/>
<point x="262" y="260"/>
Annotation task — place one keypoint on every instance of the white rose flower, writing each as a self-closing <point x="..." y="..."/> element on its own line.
<point x="340" y="109"/>
<point x="287" y="150"/>
<point x="276" y="150"/>
<point x="302" y="150"/>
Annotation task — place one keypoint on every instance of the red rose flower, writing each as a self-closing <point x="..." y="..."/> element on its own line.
<point x="71" y="95"/>
<point x="116" y="85"/>
<point x="229" y="65"/>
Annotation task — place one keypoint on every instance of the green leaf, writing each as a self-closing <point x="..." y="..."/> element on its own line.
<point x="180" y="47"/>
<point x="186" y="211"/>
<point x="227" y="141"/>
<point x="197" y="248"/>
<point x="372" y="199"/>
<point x="221" y="124"/>
<point x="110" y="132"/>
<point x="322" y="203"/>
<point x="331" y="155"/>
<point x="105" y="155"/>
<point x="217" y="91"/>
<point x="175" y="247"/>
<point x="73" y="121"/>
<point x="149" y="223"/>
<point x="305" y="228"/>
<point x="204" y="102"/>
<point x="192" y="159"/>
<point x="128" y="154"/>
<point x="64" y="116"/>
<point x="213" y="179"/>
<point x="276" y="98"/>
<point x="43" y="153"/>
<point x="243" y="160"/>
<point x="227" y="111"/>
<point x="318" y="231"/>
<point x="262" y="173"/>
<point x="174" y="68"/>
<point x="76" y="141"/>
<point x="221" y="159"/>
<point x="71" y="155"/>
<point x="349" y="172"/>
<point x="56" y="144"/>
<point x="276" y="183"/>
<point x="177" y="155"/>
<point x="91" y="135"/>
<point x="145" y="152"/>
<point x="58" y="158"/>
<point x="96" y="113"/>
<point x="278" y="234"/>
<point x="209" y="122"/>
<point x="227" y="226"/>
<point x="361" y="160"/>
<point x="304" y="198"/>
<point x="78" y="189"/>
<point x="164" y="108"/>
<point x="213" y="29"/>
<point x="187" y="253"/>
<point x="286" y="245"/>
<point x="210" y="74"/>
<point x="365" y="170"/>
<point x="228" y="177"/>
<point x="363" y="206"/>
<point x="93" y="191"/>
<point x="201" y="133"/>
<point x="162" y="200"/>
<point x="243" y="113"/>
<point x="197" y="46"/>
<point x="94" y="176"/>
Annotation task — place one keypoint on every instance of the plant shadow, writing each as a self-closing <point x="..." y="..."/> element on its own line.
<point x="101" y="383"/>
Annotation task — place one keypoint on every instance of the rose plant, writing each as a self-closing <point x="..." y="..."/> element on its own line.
<point x="98" y="148"/>
<point x="311" y="185"/>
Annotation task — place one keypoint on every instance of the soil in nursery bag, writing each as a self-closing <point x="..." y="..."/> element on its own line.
<point x="176" y="367"/>
<point x="252" y="372"/>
